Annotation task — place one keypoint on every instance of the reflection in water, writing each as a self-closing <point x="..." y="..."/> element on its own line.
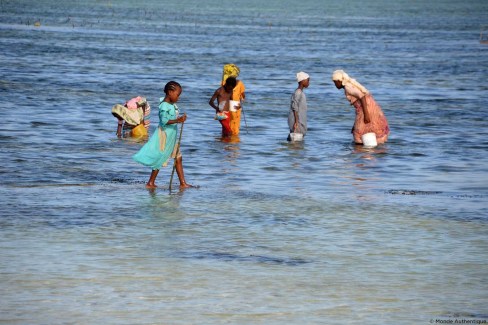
<point x="296" y="145"/>
<point x="163" y="202"/>
<point x="366" y="176"/>
<point x="231" y="147"/>
<point x="369" y="153"/>
<point x="230" y="139"/>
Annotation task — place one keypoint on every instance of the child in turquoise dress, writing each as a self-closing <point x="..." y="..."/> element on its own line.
<point x="162" y="144"/>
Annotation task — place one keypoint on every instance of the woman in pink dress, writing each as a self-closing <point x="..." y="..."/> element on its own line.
<point x="369" y="116"/>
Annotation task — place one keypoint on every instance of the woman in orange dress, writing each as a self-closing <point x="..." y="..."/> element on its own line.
<point x="231" y="70"/>
<point x="369" y="116"/>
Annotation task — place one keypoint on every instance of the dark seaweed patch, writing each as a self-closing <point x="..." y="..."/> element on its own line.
<point x="36" y="124"/>
<point x="412" y="192"/>
<point x="469" y="196"/>
<point x="230" y="257"/>
<point x="454" y="196"/>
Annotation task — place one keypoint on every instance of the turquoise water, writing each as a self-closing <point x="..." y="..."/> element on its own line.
<point x="323" y="232"/>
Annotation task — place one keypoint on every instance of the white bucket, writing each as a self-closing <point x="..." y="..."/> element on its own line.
<point x="232" y="104"/>
<point x="369" y="140"/>
<point x="296" y="136"/>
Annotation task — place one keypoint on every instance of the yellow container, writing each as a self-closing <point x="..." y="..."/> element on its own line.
<point x="139" y="131"/>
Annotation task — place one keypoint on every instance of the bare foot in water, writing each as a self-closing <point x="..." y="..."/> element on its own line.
<point x="151" y="185"/>
<point x="185" y="185"/>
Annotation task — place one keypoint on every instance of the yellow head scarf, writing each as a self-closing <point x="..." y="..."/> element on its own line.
<point x="230" y="70"/>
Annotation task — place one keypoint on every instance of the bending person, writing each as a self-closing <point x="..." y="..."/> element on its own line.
<point x="369" y="116"/>
<point x="133" y="113"/>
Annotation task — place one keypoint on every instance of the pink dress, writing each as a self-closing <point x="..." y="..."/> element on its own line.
<point x="378" y="123"/>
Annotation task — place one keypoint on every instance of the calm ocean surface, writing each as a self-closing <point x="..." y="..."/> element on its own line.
<point x="323" y="232"/>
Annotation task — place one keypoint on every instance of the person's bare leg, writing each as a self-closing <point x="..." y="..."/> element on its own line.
<point x="181" y="174"/>
<point x="152" y="179"/>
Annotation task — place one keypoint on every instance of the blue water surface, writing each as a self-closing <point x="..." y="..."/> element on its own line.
<point x="319" y="232"/>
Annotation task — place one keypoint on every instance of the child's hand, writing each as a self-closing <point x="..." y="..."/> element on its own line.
<point x="182" y="118"/>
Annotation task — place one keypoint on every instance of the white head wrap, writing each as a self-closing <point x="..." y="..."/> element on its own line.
<point x="302" y="76"/>
<point x="344" y="78"/>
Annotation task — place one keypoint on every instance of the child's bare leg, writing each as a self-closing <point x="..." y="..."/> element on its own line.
<point x="152" y="179"/>
<point x="181" y="174"/>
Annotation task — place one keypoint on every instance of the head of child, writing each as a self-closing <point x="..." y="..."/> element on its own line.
<point x="303" y="79"/>
<point x="173" y="91"/>
<point x="230" y="84"/>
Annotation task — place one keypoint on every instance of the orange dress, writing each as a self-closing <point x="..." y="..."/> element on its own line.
<point x="235" y="117"/>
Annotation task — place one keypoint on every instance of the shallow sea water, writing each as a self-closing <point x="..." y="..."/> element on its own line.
<point x="322" y="232"/>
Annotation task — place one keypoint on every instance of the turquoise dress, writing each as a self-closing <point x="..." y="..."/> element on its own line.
<point x="156" y="152"/>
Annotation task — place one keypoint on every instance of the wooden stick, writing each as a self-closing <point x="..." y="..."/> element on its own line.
<point x="176" y="156"/>
<point x="245" y="122"/>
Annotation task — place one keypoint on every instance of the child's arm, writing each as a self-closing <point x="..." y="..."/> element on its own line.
<point x="295" y="125"/>
<point x="212" y="100"/>
<point x="164" y="117"/>
<point x="295" y="105"/>
<point x="180" y="119"/>
<point x="367" y="118"/>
